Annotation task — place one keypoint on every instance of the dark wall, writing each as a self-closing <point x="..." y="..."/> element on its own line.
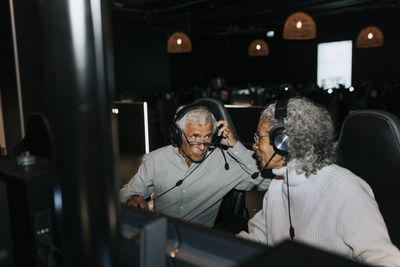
<point x="293" y="61"/>
<point x="141" y="60"/>
<point x="226" y="56"/>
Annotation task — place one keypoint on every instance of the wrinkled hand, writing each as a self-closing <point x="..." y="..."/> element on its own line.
<point x="137" y="202"/>
<point x="228" y="138"/>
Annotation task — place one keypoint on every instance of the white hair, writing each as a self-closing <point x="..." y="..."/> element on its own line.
<point x="199" y="116"/>
<point x="311" y="133"/>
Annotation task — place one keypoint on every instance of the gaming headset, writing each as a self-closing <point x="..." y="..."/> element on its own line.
<point x="277" y="137"/>
<point x="280" y="141"/>
<point x="174" y="132"/>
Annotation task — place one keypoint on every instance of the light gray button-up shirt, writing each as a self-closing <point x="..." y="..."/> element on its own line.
<point x="198" y="198"/>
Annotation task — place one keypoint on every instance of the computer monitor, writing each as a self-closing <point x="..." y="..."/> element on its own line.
<point x="186" y="244"/>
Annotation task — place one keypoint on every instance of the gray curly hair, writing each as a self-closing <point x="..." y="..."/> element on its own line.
<point x="311" y="134"/>
<point x="199" y="116"/>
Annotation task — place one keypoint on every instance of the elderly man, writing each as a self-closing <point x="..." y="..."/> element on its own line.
<point x="189" y="178"/>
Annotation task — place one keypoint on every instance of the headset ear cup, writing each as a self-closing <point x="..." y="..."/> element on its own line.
<point x="279" y="140"/>
<point x="175" y="135"/>
<point x="281" y="144"/>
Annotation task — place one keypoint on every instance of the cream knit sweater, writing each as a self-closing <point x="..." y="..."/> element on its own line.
<point x="333" y="210"/>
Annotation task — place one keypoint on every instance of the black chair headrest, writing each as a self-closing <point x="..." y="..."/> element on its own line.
<point x="216" y="107"/>
<point x="372" y="138"/>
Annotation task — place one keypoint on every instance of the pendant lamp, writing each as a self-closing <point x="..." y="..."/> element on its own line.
<point x="370" y="36"/>
<point x="299" y="26"/>
<point x="179" y="42"/>
<point x="258" y="48"/>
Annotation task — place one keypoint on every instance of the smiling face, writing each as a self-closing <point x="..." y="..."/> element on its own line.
<point x="264" y="150"/>
<point x="199" y="133"/>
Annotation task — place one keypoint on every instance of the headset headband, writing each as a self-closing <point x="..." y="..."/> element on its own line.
<point x="186" y="109"/>
<point x="281" y="109"/>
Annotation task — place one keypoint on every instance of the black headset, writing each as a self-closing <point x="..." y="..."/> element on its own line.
<point x="280" y="141"/>
<point x="175" y="133"/>
<point x="277" y="136"/>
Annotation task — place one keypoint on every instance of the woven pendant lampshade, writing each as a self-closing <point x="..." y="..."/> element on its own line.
<point x="258" y="48"/>
<point x="370" y="37"/>
<point x="299" y="26"/>
<point x="179" y="42"/>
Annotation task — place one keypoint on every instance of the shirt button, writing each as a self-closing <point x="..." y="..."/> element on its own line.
<point x="183" y="190"/>
<point x="236" y="153"/>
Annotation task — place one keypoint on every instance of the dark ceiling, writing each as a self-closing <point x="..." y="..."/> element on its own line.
<point x="230" y="17"/>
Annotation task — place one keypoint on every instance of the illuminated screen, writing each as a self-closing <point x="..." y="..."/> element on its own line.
<point x="334" y="64"/>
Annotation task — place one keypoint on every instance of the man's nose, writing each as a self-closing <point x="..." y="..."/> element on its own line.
<point x="202" y="146"/>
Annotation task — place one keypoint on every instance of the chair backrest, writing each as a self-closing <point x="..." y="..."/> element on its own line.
<point x="233" y="203"/>
<point x="369" y="146"/>
<point x="217" y="107"/>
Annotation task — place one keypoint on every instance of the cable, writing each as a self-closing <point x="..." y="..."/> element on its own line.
<point x="180" y="181"/>
<point x="223" y="154"/>
<point x="291" y="229"/>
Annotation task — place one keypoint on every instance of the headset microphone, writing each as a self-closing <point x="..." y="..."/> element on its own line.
<point x="223" y="154"/>
<point x="256" y="174"/>
<point x="217" y="142"/>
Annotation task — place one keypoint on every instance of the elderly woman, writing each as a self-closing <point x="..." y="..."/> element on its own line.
<point x="315" y="201"/>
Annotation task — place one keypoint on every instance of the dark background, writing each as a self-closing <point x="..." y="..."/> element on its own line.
<point x="226" y="56"/>
<point x="220" y="32"/>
